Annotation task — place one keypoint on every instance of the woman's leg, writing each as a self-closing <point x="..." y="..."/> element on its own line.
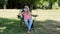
<point x="30" y="24"/>
<point x="26" y="23"/>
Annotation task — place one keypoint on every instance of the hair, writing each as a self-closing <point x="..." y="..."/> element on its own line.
<point x="25" y="4"/>
<point x="27" y="9"/>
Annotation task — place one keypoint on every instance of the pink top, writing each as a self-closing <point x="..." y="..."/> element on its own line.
<point x="26" y="16"/>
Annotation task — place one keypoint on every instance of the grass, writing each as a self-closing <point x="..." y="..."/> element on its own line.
<point x="47" y="22"/>
<point x="12" y="26"/>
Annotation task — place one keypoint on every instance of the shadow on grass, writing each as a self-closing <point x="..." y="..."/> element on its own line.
<point x="48" y="26"/>
<point x="12" y="26"/>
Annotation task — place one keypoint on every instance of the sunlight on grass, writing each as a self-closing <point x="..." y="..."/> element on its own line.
<point x="58" y="28"/>
<point x="2" y="29"/>
<point x="46" y="22"/>
<point x="40" y="27"/>
<point x="10" y="22"/>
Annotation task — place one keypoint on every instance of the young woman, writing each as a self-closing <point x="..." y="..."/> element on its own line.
<point x="27" y="17"/>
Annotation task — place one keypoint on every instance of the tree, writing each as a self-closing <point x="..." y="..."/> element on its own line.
<point x="30" y="2"/>
<point x="59" y="3"/>
<point x="50" y="4"/>
<point x="35" y="3"/>
<point x="3" y="3"/>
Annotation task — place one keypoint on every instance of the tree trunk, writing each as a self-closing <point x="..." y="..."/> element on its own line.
<point x="4" y="6"/>
<point x="58" y="3"/>
<point x="50" y="4"/>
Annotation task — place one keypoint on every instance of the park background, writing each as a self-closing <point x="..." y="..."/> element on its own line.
<point x="47" y="22"/>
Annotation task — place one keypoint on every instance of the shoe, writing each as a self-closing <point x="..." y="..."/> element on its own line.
<point x="29" y="31"/>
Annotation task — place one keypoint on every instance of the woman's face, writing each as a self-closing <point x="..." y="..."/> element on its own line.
<point x="26" y="8"/>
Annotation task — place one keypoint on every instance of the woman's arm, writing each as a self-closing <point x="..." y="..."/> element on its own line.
<point x="22" y="14"/>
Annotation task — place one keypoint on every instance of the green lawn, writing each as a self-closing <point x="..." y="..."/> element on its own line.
<point x="12" y="26"/>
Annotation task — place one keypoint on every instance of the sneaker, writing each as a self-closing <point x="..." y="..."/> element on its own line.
<point x="29" y="32"/>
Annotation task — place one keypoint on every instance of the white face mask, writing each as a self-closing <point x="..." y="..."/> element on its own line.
<point x="25" y="9"/>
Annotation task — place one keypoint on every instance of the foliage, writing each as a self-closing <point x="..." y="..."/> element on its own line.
<point x="30" y="2"/>
<point x="59" y="3"/>
<point x="2" y="2"/>
<point x="36" y="3"/>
